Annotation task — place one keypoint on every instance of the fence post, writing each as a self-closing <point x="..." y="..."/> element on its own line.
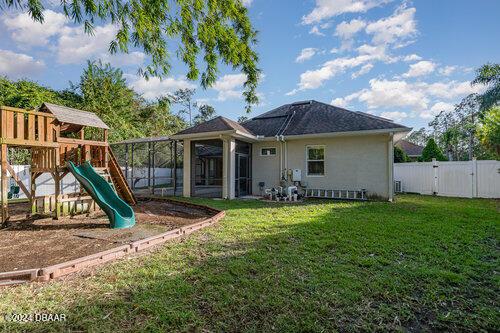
<point x="435" y="172"/>
<point x="474" y="177"/>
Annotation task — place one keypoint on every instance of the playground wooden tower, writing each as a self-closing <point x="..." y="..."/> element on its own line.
<point x="55" y="135"/>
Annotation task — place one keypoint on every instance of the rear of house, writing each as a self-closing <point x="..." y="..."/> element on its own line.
<point x="309" y="144"/>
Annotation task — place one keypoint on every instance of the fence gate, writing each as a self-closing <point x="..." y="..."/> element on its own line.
<point x="468" y="179"/>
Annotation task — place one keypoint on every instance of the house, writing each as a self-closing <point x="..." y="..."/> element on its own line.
<point x="412" y="150"/>
<point x="311" y="144"/>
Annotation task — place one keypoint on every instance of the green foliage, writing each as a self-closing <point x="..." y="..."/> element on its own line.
<point x="431" y="150"/>
<point x="419" y="137"/>
<point x="209" y="31"/>
<point x="242" y="119"/>
<point x="400" y="155"/>
<point x="489" y="131"/>
<point x="29" y="95"/>
<point x="206" y="112"/>
<point x="489" y="75"/>
<point x="104" y="92"/>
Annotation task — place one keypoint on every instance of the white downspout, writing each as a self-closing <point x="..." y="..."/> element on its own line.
<point x="390" y="170"/>
<point x="281" y="158"/>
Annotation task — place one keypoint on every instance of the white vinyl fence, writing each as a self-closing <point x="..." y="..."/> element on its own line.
<point x="467" y="179"/>
<point x="44" y="183"/>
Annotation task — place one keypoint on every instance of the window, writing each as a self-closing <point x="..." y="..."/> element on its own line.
<point x="315" y="156"/>
<point x="270" y="151"/>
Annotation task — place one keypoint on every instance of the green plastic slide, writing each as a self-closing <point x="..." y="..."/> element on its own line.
<point x="120" y="214"/>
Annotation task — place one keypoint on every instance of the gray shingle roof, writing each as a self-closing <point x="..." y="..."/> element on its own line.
<point x="410" y="148"/>
<point x="217" y="124"/>
<point x="68" y="115"/>
<point x="312" y="117"/>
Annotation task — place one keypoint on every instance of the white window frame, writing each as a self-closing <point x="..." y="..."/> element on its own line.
<point x="308" y="160"/>
<point x="275" y="150"/>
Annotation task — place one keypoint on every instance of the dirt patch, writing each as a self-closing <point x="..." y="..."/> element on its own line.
<point x="38" y="242"/>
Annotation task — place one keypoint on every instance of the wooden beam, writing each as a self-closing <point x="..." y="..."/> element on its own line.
<point x="82" y="142"/>
<point x="18" y="181"/>
<point x="30" y="143"/>
<point x="44" y="114"/>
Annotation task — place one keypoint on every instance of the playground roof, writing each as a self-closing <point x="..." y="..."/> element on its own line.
<point x="68" y="115"/>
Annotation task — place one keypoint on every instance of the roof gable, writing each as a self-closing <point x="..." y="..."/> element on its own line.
<point x="410" y="148"/>
<point x="69" y="115"/>
<point x="218" y="124"/>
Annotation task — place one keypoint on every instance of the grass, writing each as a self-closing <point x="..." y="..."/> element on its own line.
<point x="422" y="263"/>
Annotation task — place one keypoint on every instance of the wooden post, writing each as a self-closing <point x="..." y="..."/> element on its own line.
<point x="4" y="183"/>
<point x="106" y="148"/>
<point x="132" y="173"/>
<point x="126" y="162"/>
<point x="33" y="192"/>
<point x="57" y="193"/>
<point x="153" y="166"/>
<point x="149" y="166"/>
<point x="174" y="157"/>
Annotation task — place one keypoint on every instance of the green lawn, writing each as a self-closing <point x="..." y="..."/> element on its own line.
<point x="422" y="263"/>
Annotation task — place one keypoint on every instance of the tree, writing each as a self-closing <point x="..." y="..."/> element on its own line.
<point x="30" y="95"/>
<point x="418" y="137"/>
<point x="184" y="98"/>
<point x="206" y="112"/>
<point x="104" y="91"/>
<point x="400" y="155"/>
<point x="468" y="111"/>
<point x="431" y="150"/>
<point x="489" y="75"/>
<point x="489" y="131"/>
<point x="242" y="119"/>
<point x="214" y="31"/>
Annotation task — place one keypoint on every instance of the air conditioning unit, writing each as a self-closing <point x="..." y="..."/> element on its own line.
<point x="398" y="188"/>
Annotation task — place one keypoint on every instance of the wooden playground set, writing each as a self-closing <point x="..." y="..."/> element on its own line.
<point x="60" y="233"/>
<point x="55" y="135"/>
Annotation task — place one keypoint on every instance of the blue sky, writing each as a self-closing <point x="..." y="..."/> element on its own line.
<point x="397" y="59"/>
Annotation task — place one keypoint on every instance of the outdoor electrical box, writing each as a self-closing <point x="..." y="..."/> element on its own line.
<point x="296" y="175"/>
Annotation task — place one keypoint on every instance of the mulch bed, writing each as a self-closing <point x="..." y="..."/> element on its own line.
<point x="31" y="243"/>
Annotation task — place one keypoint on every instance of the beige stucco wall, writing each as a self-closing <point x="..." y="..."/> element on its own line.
<point x="351" y="162"/>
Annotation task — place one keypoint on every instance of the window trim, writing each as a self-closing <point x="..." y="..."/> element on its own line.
<point x="308" y="160"/>
<point x="275" y="151"/>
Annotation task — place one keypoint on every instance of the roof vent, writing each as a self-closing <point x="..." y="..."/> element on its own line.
<point x="302" y="103"/>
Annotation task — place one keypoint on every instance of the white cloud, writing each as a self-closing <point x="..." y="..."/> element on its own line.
<point x="347" y="30"/>
<point x="315" y="31"/>
<point x="447" y="70"/>
<point x="306" y="54"/>
<point x="420" y="68"/>
<point x="436" y="109"/>
<point x="387" y="94"/>
<point x="364" y="70"/>
<point x="394" y="115"/>
<point x="27" y="32"/>
<point x="75" y="46"/>
<point x="247" y="3"/>
<point x="16" y="65"/>
<point x="395" y="28"/>
<point x="412" y="57"/>
<point x="326" y="9"/>
<point x="313" y="79"/>
<point x="155" y="87"/>
<point x="124" y="59"/>
<point x="229" y="86"/>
